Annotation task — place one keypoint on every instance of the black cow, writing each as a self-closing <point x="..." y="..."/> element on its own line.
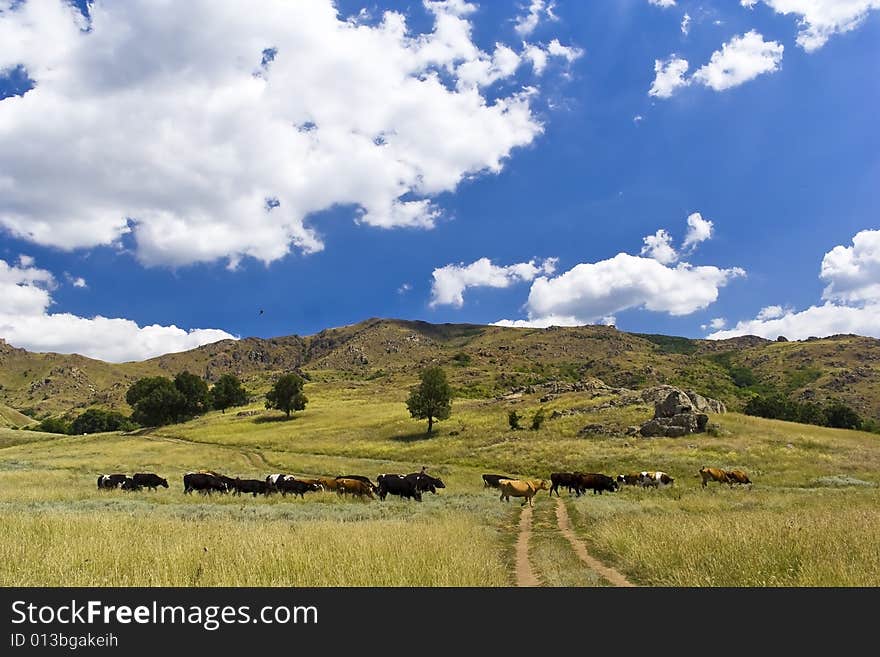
<point x="425" y="482"/>
<point x="595" y="482"/>
<point x="295" y="486"/>
<point x="491" y="480"/>
<point x="397" y="484"/>
<point x="204" y="483"/>
<point x="567" y="479"/>
<point x="129" y="484"/>
<point x="149" y="480"/>
<point x="110" y="480"/>
<point x="253" y="486"/>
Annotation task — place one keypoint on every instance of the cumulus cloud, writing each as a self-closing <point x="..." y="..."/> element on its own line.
<point x="659" y="247"/>
<point x="25" y="321"/>
<point x="686" y="24"/>
<point x="669" y="76"/>
<point x="451" y="281"/>
<point x="217" y="130"/>
<point x="663" y="3"/>
<point x="715" y="324"/>
<point x="699" y="230"/>
<point x="537" y="11"/>
<point x="403" y="289"/>
<point x="852" y="298"/>
<point x="75" y="281"/>
<point x="741" y="59"/>
<point x="821" y="19"/>
<point x="853" y="272"/>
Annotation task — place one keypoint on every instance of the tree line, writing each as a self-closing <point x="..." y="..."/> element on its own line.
<point x="834" y="413"/>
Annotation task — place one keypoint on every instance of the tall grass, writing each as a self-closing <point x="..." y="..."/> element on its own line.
<point x="64" y="549"/>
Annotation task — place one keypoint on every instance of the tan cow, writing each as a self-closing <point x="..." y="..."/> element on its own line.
<point x="327" y="483"/>
<point x="713" y="474"/>
<point x="521" y="488"/>
<point x="737" y="477"/>
<point x="354" y="487"/>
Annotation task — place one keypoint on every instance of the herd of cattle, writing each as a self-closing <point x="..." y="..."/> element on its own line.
<point x="580" y="482"/>
<point x="411" y="486"/>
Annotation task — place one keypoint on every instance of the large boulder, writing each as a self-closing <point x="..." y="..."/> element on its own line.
<point x="675" y="403"/>
<point x="677" y="415"/>
<point x="704" y="404"/>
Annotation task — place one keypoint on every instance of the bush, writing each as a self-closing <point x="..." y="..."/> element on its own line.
<point x="513" y="419"/>
<point x="97" y="420"/>
<point x="53" y="425"/>
<point x="835" y="414"/>
<point x="538" y="419"/>
<point x="461" y="359"/>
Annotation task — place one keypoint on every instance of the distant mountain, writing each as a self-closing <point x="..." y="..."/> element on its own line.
<point x="482" y="361"/>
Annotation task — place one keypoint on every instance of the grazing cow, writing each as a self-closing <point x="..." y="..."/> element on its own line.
<point x="425" y="482"/>
<point x="204" y="483"/>
<point x="655" y="479"/>
<point x="149" y="480"/>
<point x="106" y="481"/>
<point x="712" y="474"/>
<point x="356" y="487"/>
<point x="315" y="480"/>
<point x="361" y="478"/>
<point x="253" y="486"/>
<point x="566" y="479"/>
<point x="595" y="482"/>
<point x="737" y="477"/>
<point x="328" y="483"/>
<point x="397" y="484"/>
<point x="296" y="486"/>
<point x="272" y="480"/>
<point x="520" y="488"/>
<point x="631" y="479"/>
<point x="491" y="480"/>
<point x="129" y="484"/>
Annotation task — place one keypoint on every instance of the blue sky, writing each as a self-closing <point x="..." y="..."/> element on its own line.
<point x="784" y="161"/>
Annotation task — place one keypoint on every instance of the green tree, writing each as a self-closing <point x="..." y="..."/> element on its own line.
<point x="287" y="394"/>
<point x="195" y="394"/>
<point x="538" y="419"/>
<point x="155" y="401"/>
<point x="513" y="419"/>
<point x="432" y="398"/>
<point x="53" y="425"/>
<point x="841" y="416"/>
<point x="227" y="392"/>
<point x="97" y="420"/>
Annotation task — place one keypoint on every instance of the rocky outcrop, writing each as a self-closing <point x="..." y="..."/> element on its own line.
<point x="705" y="404"/>
<point x="677" y="415"/>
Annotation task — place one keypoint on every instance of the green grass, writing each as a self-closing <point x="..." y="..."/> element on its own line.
<point x="812" y="484"/>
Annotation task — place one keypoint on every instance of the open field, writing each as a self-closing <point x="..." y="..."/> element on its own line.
<point x="811" y="518"/>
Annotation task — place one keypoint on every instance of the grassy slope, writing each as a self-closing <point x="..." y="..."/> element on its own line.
<point x="393" y="351"/>
<point x="772" y="535"/>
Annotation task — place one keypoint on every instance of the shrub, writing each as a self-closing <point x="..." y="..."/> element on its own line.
<point x="513" y="419"/>
<point x="538" y="419"/>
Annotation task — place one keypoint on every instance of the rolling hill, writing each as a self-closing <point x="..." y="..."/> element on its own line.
<point x="482" y="362"/>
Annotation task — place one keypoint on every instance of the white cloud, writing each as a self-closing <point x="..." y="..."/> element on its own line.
<point x="852" y="298"/>
<point x="741" y="59"/>
<point x="853" y="272"/>
<point x="537" y="9"/>
<point x="699" y="230"/>
<point x="25" y="261"/>
<point x="403" y="289"/>
<point x="659" y="247"/>
<point x="451" y="281"/>
<point x="770" y="312"/>
<point x="568" y="53"/>
<point x="669" y="76"/>
<point x="686" y="24"/>
<point x="663" y="3"/>
<point x="638" y="118"/>
<point x="821" y="19"/>
<point x="819" y="321"/>
<point x="216" y="130"/>
<point x="76" y="281"/>
<point x="715" y="324"/>
<point x="25" y="321"/>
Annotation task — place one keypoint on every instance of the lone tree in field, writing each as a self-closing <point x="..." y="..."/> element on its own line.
<point x="195" y="394"/>
<point x="155" y="401"/>
<point x="287" y="394"/>
<point x="432" y="398"/>
<point x="228" y="392"/>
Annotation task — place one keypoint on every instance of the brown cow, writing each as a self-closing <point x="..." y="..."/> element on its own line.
<point x="356" y="487"/>
<point x="519" y="488"/>
<point x="713" y="474"/>
<point x="630" y="479"/>
<point x="327" y="483"/>
<point x="737" y="477"/>
<point x="655" y="479"/>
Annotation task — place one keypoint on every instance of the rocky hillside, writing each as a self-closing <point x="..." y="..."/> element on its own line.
<point x="482" y="361"/>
